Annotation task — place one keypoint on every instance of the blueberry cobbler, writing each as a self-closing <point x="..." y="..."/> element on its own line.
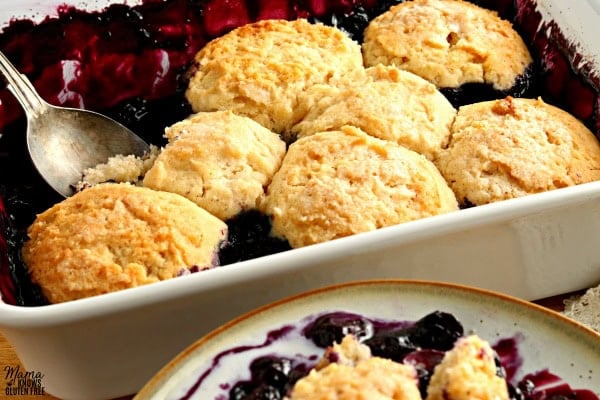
<point x="341" y="356"/>
<point x="280" y="124"/>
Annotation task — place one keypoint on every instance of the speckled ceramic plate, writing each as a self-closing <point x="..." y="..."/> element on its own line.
<point x="546" y="339"/>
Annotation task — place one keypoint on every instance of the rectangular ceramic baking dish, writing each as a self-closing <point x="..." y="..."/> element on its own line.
<point x="532" y="247"/>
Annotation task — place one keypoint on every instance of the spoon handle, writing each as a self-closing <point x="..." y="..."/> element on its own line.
<point x="22" y="88"/>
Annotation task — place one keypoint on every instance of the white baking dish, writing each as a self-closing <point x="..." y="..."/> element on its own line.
<point x="532" y="247"/>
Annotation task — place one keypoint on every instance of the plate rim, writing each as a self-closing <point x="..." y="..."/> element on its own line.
<point x="156" y="382"/>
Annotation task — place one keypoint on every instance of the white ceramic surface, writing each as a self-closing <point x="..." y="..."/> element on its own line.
<point x="545" y="339"/>
<point x="110" y="345"/>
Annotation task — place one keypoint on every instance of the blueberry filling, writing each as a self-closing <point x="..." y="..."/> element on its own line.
<point x="15" y="284"/>
<point x="424" y="362"/>
<point x="271" y="378"/>
<point x="526" y="85"/>
<point x="331" y="328"/>
<point x="436" y="331"/>
<point x="249" y="237"/>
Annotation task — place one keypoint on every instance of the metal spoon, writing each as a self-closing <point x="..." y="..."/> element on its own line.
<point x="63" y="142"/>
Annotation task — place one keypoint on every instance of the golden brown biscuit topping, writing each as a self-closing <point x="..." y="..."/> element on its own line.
<point x="116" y="236"/>
<point x="447" y="42"/>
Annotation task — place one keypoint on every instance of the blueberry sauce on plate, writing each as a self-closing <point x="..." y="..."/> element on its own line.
<point x="423" y="342"/>
<point x="132" y="63"/>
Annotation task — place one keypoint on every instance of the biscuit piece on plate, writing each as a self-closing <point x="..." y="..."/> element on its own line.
<point x="357" y="376"/>
<point x="339" y="183"/>
<point x="390" y="104"/>
<point x="450" y="43"/>
<point x="348" y="352"/>
<point x="221" y="161"/>
<point x="467" y="371"/>
<point x="257" y="70"/>
<point x="509" y="148"/>
<point x="116" y="236"/>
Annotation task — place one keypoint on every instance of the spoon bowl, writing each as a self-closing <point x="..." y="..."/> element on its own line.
<point x="63" y="142"/>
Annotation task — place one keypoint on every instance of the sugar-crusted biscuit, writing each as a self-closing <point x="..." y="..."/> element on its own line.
<point x="348" y="352"/>
<point x="116" y="236"/>
<point x="447" y="42"/>
<point x="513" y="147"/>
<point x="221" y="161"/>
<point x="467" y="371"/>
<point x="338" y="183"/>
<point x="373" y="378"/>
<point x="258" y="69"/>
<point x="389" y="104"/>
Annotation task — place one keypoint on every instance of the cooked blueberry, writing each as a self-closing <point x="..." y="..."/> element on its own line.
<point x="23" y="291"/>
<point x="249" y="237"/>
<point x="526" y="85"/>
<point x="424" y="362"/>
<point x="392" y="346"/>
<point x="132" y="113"/>
<point x="273" y="371"/>
<point x="254" y="390"/>
<point x="526" y="387"/>
<point x="149" y="118"/>
<point x="500" y="371"/>
<point x="514" y="393"/>
<point x="241" y="390"/>
<point x="466" y="203"/>
<point x="270" y="9"/>
<point x="331" y="328"/>
<point x="121" y="12"/>
<point x="222" y="16"/>
<point x="438" y="330"/>
<point x="265" y="392"/>
<point x="382" y="6"/>
<point x="353" y="23"/>
<point x="298" y="372"/>
<point x="355" y="20"/>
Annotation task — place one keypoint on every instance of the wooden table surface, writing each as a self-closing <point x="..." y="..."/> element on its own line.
<point x="9" y="358"/>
